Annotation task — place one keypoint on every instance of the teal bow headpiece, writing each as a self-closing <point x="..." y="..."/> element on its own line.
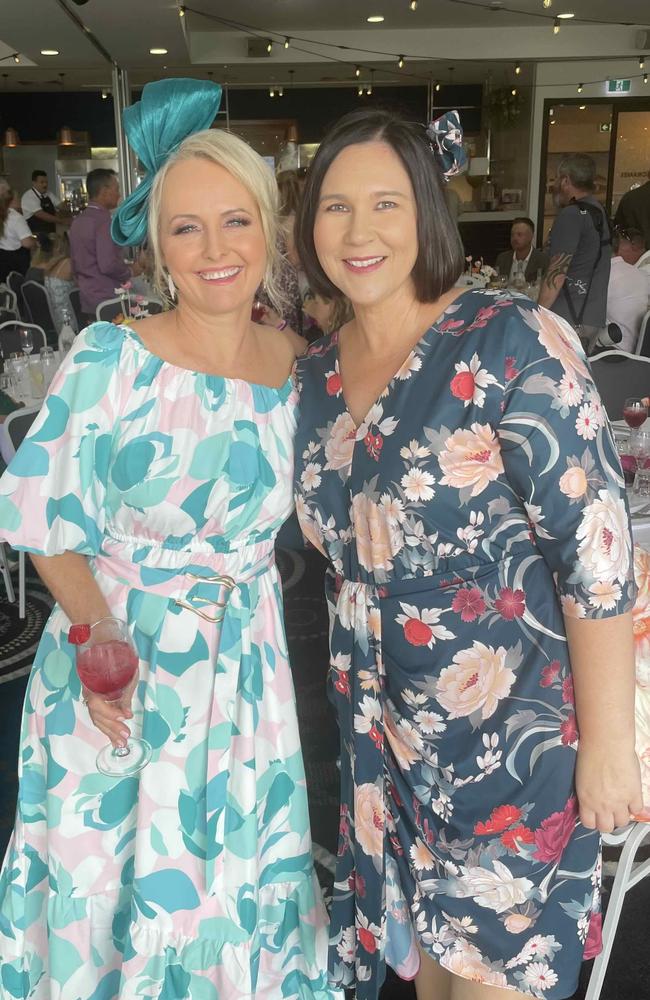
<point x="167" y="113"/>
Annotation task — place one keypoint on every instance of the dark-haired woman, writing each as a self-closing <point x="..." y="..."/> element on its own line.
<point x="459" y="472"/>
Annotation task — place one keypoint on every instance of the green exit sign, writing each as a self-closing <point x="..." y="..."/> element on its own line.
<point x="618" y="86"/>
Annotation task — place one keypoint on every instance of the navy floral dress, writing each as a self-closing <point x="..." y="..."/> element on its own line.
<point x="479" y="502"/>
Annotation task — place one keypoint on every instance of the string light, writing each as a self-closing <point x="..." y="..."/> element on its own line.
<point x="437" y="87"/>
<point x="547" y="3"/>
<point x="269" y="46"/>
<point x="271" y="91"/>
<point x="360" y="90"/>
<point x="16" y="58"/>
<point x="579" y="88"/>
<point x="287" y="42"/>
<point x="514" y="91"/>
<point x="280" y="91"/>
<point x="641" y="62"/>
<point x="181" y="11"/>
<point x="357" y="71"/>
<point x="645" y="77"/>
<point x="556" y="26"/>
<point x="517" y="69"/>
<point x="413" y="5"/>
<point x="400" y="62"/>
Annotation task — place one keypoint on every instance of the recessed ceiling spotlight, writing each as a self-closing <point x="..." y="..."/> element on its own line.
<point x="566" y="17"/>
<point x="158" y="52"/>
<point x="49" y="52"/>
<point x="375" y="19"/>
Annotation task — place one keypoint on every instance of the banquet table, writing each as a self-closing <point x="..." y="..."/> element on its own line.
<point x="29" y="402"/>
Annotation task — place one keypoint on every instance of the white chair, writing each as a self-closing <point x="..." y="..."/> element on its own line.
<point x="628" y="874"/>
<point x="16" y="427"/>
<point x="10" y="336"/>
<point x="5" y="573"/>
<point x="107" y="310"/>
<point x="8" y="302"/>
<point x="643" y="341"/>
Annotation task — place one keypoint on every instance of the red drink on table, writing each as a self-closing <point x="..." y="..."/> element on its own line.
<point x="635" y="412"/>
<point x="107" y="663"/>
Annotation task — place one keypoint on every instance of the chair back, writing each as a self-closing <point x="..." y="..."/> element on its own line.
<point x="110" y="309"/>
<point x="37" y="302"/>
<point x="14" y="282"/>
<point x="75" y="302"/>
<point x="17" y="425"/>
<point x="10" y="337"/>
<point x="8" y="302"/>
<point x="643" y="343"/>
<point x="618" y="375"/>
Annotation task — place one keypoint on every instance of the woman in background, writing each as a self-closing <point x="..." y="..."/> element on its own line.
<point x="16" y="238"/>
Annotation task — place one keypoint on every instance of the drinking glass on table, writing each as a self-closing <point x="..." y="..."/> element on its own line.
<point x="107" y="663"/>
<point x="639" y="450"/>
<point x="26" y="341"/>
<point x="48" y="366"/>
<point x="635" y="412"/>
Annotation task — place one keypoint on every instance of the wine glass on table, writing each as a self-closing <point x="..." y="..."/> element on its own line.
<point x="639" y="449"/>
<point x="635" y="412"/>
<point x="107" y="663"/>
<point x="26" y="341"/>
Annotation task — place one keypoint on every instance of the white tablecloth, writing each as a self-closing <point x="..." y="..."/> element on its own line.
<point x="6" y="447"/>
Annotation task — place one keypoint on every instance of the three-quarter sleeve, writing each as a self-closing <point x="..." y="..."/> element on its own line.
<point x="52" y="493"/>
<point x="560" y="459"/>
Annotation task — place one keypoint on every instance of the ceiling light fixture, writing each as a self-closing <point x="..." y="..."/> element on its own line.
<point x="360" y="90"/>
<point x="556" y="26"/>
<point x="517" y="69"/>
<point x="11" y="139"/>
<point x="437" y="87"/>
<point x="181" y="10"/>
<point x="645" y="77"/>
<point x="269" y="46"/>
<point x="583" y="107"/>
<point x="400" y="62"/>
<point x="641" y="62"/>
<point x="271" y="91"/>
<point x="579" y="88"/>
<point x="104" y="93"/>
<point x="413" y="5"/>
<point x="357" y="71"/>
<point x="369" y="87"/>
<point x="566" y="17"/>
<point x="287" y="42"/>
<point x="375" y="19"/>
<point x="552" y="121"/>
<point x="16" y="58"/>
<point x="514" y="91"/>
<point x="547" y="3"/>
<point x="280" y="91"/>
<point x="158" y="52"/>
<point x="55" y="52"/>
<point x="551" y="111"/>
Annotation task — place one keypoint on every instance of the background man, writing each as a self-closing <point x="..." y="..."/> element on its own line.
<point x="627" y="296"/>
<point x="632" y="248"/>
<point x="39" y="206"/>
<point x="98" y="263"/>
<point x="575" y="285"/>
<point x="523" y="259"/>
<point x="633" y="210"/>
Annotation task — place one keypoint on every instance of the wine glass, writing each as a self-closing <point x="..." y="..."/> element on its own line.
<point x="107" y="662"/>
<point x="635" y="412"/>
<point x="26" y="341"/>
<point x="639" y="449"/>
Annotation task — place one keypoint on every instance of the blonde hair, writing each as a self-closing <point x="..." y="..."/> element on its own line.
<point x="237" y="157"/>
<point x="6" y="198"/>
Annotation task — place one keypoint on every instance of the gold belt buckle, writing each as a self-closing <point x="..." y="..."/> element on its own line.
<point x="224" y="581"/>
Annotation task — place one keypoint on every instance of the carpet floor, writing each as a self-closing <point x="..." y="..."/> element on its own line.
<point x="628" y="975"/>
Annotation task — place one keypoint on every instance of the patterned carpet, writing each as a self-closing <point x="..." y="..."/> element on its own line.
<point x="306" y="623"/>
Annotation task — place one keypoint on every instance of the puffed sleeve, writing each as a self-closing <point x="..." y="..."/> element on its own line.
<point x="52" y="493"/>
<point x="560" y="459"/>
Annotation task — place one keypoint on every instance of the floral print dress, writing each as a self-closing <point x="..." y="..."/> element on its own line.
<point x="479" y="502"/>
<point x="194" y="878"/>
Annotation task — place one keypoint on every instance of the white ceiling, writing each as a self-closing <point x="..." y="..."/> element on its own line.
<point x="128" y="28"/>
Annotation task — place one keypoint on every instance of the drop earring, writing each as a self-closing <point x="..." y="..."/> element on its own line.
<point x="171" y="286"/>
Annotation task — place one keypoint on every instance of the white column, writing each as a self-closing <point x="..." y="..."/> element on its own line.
<point x="125" y="158"/>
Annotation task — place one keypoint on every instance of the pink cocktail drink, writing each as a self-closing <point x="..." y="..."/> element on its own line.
<point x="107" y="665"/>
<point x="635" y="416"/>
<point x="107" y="668"/>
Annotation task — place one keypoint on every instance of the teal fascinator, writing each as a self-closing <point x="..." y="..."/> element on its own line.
<point x="168" y="112"/>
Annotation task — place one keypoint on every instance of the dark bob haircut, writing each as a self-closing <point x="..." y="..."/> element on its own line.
<point x="441" y="258"/>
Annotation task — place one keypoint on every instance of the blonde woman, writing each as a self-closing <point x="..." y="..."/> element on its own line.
<point x="151" y="489"/>
<point x="16" y="239"/>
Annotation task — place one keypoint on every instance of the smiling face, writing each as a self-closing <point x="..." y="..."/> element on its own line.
<point x="365" y="230"/>
<point x="211" y="237"/>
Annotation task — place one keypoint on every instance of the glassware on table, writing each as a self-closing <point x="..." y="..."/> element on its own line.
<point x="26" y="341"/>
<point x="22" y="381"/>
<point x="639" y="448"/>
<point x="635" y="412"/>
<point x="642" y="483"/>
<point x="49" y="366"/>
<point x="107" y="663"/>
<point x="36" y="378"/>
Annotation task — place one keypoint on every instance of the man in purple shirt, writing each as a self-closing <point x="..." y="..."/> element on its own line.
<point x="98" y="262"/>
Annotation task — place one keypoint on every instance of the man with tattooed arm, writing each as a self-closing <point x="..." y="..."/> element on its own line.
<point x="575" y="284"/>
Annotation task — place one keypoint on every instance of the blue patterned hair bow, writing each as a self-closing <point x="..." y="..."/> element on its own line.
<point x="446" y="141"/>
<point x="155" y="126"/>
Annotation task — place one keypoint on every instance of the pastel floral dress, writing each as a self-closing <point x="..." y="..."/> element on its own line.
<point x="194" y="878"/>
<point x="480" y="500"/>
